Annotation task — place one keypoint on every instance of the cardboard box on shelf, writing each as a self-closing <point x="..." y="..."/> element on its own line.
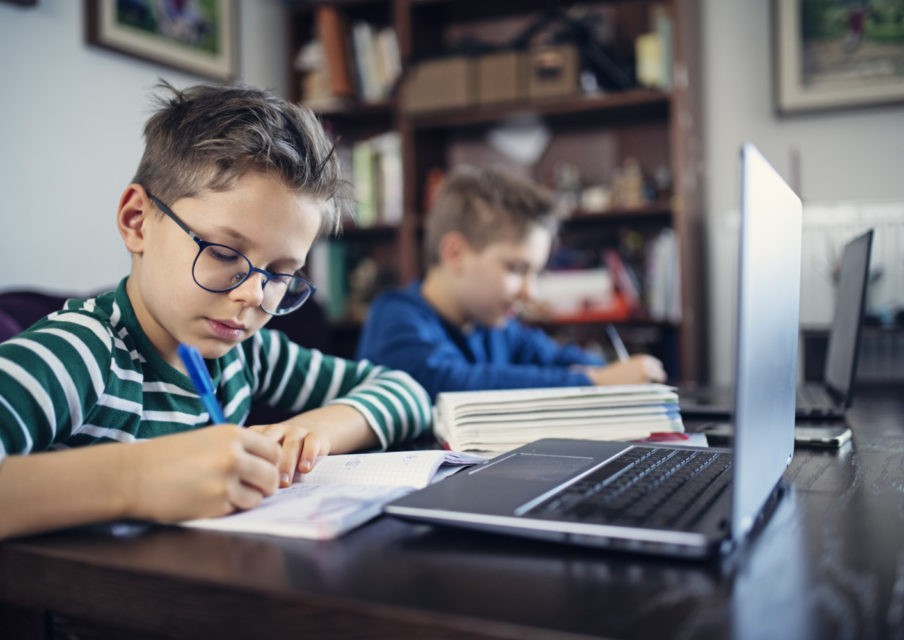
<point x="444" y="83"/>
<point x="553" y="71"/>
<point x="501" y="77"/>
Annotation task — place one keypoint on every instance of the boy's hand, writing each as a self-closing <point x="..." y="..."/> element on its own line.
<point x="636" y="369"/>
<point x="300" y="447"/>
<point x="206" y="473"/>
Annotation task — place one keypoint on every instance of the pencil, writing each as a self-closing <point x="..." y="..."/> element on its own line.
<point x="617" y="343"/>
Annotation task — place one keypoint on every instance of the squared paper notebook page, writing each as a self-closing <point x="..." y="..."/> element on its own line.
<point x="340" y="493"/>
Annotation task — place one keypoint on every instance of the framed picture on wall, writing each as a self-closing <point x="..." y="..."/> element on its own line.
<point x="834" y="54"/>
<point x="196" y="36"/>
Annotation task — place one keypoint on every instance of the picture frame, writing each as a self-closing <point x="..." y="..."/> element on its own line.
<point x="200" y="38"/>
<point x="835" y="54"/>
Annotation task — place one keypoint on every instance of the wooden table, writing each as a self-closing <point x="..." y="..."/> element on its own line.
<point x="829" y="563"/>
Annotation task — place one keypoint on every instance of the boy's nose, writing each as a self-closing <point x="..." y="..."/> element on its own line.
<point x="251" y="291"/>
<point x="528" y="288"/>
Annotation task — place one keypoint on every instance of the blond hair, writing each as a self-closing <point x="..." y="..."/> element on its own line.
<point x="485" y="206"/>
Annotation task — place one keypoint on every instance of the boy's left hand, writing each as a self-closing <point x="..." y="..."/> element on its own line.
<point x="299" y="448"/>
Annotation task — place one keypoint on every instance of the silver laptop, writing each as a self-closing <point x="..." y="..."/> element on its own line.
<point x="623" y="496"/>
<point x="831" y="397"/>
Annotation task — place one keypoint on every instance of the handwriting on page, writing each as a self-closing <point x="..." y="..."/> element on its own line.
<point x="397" y="468"/>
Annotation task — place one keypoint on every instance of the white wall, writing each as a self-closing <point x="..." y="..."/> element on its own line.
<point x="71" y="118"/>
<point x="854" y="155"/>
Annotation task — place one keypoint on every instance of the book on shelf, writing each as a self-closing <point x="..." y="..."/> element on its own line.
<point x="663" y="271"/>
<point x="494" y="421"/>
<point x="363" y="37"/>
<point x="662" y="24"/>
<point x="345" y="62"/>
<point x="377" y="178"/>
<point x="653" y="51"/>
<point x="389" y="57"/>
<point x="626" y="280"/>
<point x="340" y="493"/>
<point x="314" y="83"/>
<point x="364" y="176"/>
<point x="332" y="32"/>
<point x="327" y="260"/>
<point x="388" y="151"/>
<point x="377" y="60"/>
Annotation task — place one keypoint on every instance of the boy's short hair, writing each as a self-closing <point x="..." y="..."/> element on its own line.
<point x="487" y="205"/>
<point x="210" y="136"/>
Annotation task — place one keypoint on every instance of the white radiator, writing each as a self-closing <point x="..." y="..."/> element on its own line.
<point x="827" y="227"/>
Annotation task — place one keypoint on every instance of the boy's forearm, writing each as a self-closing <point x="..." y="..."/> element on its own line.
<point x="59" y="489"/>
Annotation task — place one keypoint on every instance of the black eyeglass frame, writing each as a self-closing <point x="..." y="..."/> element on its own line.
<point x="203" y="244"/>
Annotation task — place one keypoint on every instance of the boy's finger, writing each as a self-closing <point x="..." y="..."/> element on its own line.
<point x="291" y="450"/>
<point x="261" y="445"/>
<point x="258" y="473"/>
<point x="243" y="496"/>
<point x="313" y="447"/>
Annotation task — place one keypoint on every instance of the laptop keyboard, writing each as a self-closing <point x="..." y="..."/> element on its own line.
<point x="814" y="397"/>
<point x="653" y="487"/>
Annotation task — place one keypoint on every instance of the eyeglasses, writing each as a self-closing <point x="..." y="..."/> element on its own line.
<point x="218" y="268"/>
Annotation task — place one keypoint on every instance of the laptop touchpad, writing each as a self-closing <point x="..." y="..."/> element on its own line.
<point x="537" y="467"/>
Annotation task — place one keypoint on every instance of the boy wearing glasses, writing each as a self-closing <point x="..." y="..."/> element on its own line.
<point x="487" y="237"/>
<point x="232" y="190"/>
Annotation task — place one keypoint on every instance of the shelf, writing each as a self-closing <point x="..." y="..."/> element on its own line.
<point x="597" y="134"/>
<point x="632" y="105"/>
<point x="376" y="232"/>
<point x="373" y="112"/>
<point x="656" y="213"/>
<point x="468" y="10"/>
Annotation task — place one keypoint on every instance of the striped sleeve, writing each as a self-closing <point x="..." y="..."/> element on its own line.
<point x="296" y="379"/>
<point x="51" y="376"/>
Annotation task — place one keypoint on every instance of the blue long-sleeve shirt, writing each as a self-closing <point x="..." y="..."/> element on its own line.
<point x="404" y="332"/>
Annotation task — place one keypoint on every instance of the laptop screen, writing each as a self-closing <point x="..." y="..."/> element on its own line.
<point x="767" y="335"/>
<point x="844" y="339"/>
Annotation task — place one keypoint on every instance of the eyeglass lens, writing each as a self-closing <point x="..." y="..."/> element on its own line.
<point x="220" y="268"/>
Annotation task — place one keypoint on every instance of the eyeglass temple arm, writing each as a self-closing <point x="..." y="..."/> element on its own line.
<point x="165" y="209"/>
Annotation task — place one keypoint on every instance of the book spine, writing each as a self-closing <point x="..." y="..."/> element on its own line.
<point x="364" y="183"/>
<point x="333" y="34"/>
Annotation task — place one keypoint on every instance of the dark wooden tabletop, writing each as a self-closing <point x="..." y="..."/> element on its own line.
<point x="829" y="563"/>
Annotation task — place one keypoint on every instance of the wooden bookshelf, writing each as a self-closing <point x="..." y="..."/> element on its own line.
<point x="660" y="127"/>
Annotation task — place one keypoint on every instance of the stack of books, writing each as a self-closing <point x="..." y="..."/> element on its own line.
<point x="495" y="421"/>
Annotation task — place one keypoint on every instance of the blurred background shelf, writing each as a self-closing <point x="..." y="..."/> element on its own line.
<point x="593" y="137"/>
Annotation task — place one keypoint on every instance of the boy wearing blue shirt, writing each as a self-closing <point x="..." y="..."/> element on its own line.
<point x="487" y="237"/>
<point x="233" y="188"/>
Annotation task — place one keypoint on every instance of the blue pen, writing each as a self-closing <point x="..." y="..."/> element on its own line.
<point x="197" y="371"/>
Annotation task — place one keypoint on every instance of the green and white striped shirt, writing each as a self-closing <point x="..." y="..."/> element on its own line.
<point x="88" y="374"/>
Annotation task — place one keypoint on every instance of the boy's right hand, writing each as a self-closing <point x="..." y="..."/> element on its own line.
<point x="206" y="473"/>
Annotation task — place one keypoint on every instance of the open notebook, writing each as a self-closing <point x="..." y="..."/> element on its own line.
<point x="682" y="501"/>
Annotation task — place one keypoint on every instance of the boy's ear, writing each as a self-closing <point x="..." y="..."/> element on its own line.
<point x="453" y="247"/>
<point x="134" y="210"/>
